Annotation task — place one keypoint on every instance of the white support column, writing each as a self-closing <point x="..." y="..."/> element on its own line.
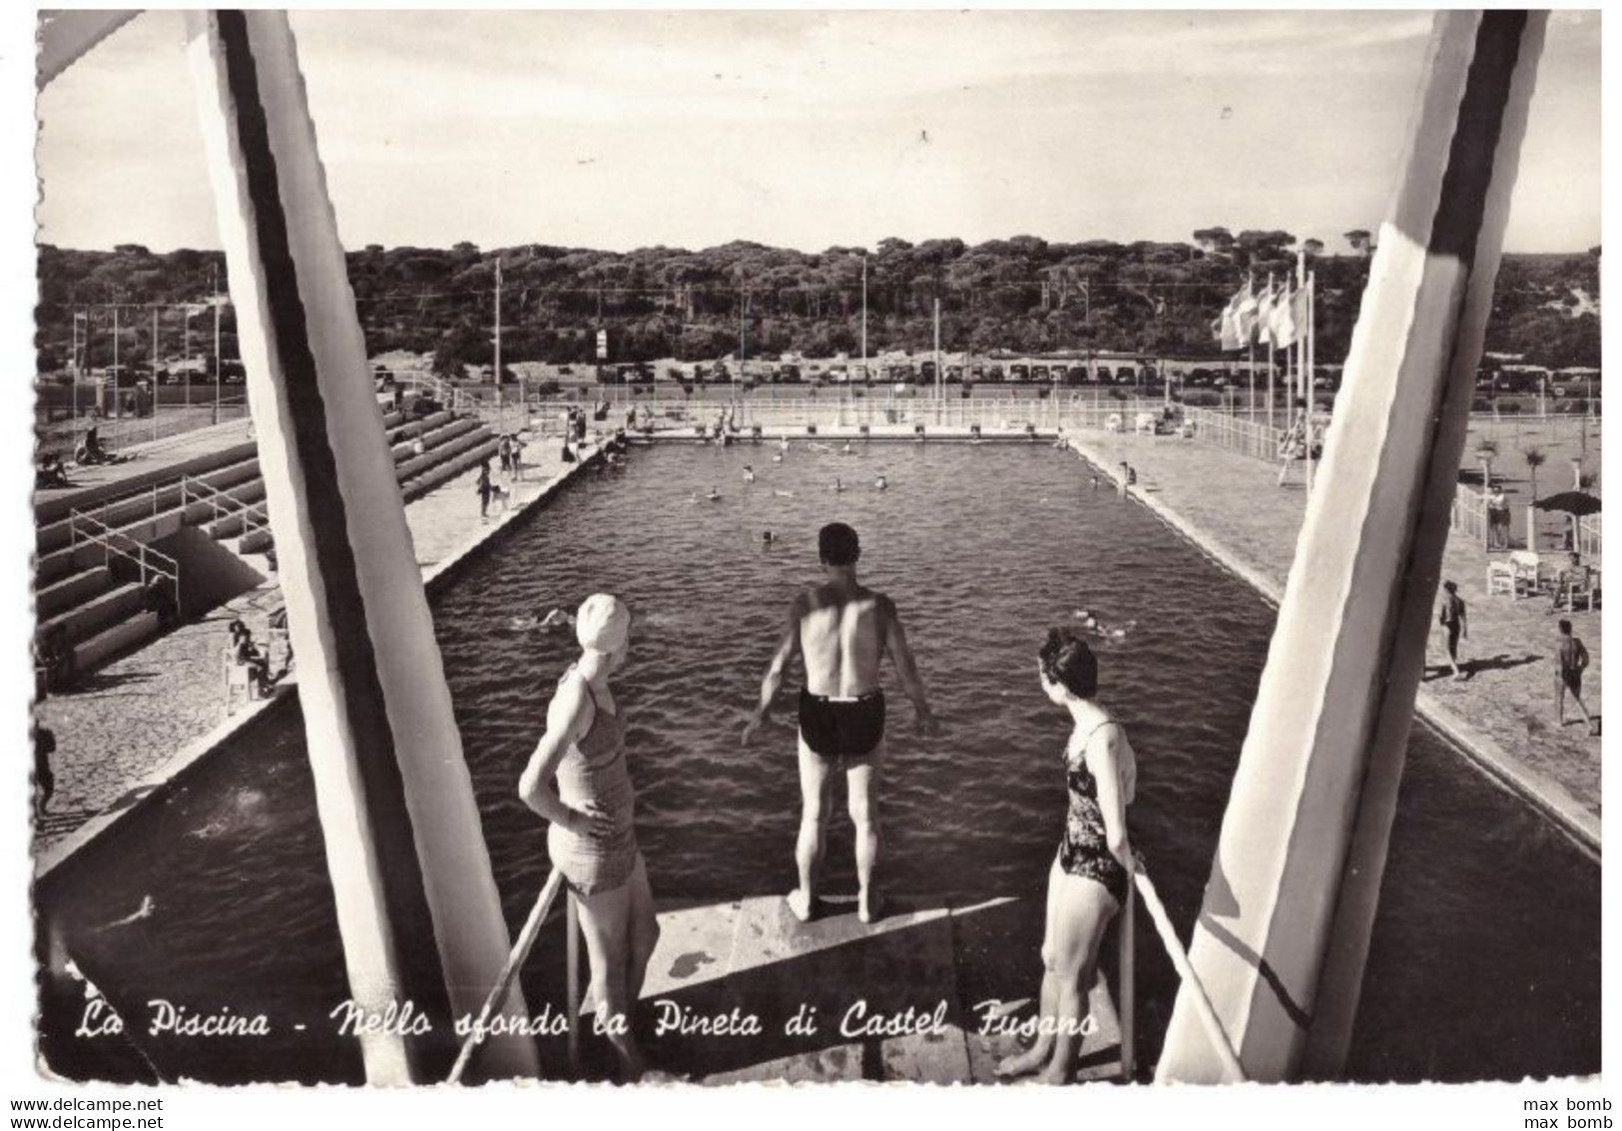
<point x="1282" y="936"/>
<point x="417" y="905"/>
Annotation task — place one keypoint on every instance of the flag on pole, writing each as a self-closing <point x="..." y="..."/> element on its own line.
<point x="1286" y="326"/>
<point x="1266" y="310"/>
<point x="1229" y="335"/>
<point x="1244" y="315"/>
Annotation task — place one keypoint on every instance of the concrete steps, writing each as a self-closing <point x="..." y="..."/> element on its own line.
<point x="102" y="617"/>
<point x="470" y="456"/>
<point x="128" y="633"/>
<point x="70" y="591"/>
<point x="88" y="618"/>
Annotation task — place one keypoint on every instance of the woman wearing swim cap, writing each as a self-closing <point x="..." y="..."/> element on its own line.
<point x="592" y="839"/>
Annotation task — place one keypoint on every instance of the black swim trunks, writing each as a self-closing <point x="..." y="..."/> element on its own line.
<point x="842" y="728"/>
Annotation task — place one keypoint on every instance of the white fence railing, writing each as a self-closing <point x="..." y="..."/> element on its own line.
<point x="1589" y="542"/>
<point x="1248" y="437"/>
<point x="1468" y="515"/>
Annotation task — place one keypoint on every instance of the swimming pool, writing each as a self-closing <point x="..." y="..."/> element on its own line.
<point x="1485" y="957"/>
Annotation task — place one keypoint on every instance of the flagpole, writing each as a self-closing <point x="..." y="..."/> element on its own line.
<point x="1312" y="316"/>
<point x="1272" y="308"/>
<point x="1251" y="399"/>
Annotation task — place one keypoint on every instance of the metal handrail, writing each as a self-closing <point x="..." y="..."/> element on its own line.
<point x="99" y="533"/>
<point x="509" y="973"/>
<point x="232" y="507"/>
<point x="1233" y="1070"/>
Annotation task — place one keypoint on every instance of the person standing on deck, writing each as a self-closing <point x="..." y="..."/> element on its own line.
<point x="485" y="489"/>
<point x="591" y="837"/>
<point x="1497" y="518"/>
<point x="1455" y="623"/>
<point x="1090" y="879"/>
<point x="1573" y="659"/>
<point x="843" y="630"/>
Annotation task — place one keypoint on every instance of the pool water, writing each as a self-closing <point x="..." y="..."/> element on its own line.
<point x="1485" y="957"/>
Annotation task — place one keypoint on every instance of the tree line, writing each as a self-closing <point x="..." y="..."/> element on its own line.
<point x="1023" y="294"/>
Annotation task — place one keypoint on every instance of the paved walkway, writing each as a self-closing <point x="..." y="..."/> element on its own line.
<point x="142" y="458"/>
<point x="1510" y="656"/>
<point x="122" y="723"/>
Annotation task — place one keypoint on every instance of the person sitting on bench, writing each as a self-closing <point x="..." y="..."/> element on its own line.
<point x="244" y="652"/>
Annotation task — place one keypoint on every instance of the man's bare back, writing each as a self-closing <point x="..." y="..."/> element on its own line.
<point x="843" y="633"/>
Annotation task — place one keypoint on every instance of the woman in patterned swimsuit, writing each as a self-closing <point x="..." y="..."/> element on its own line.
<point x="592" y="840"/>
<point x="1091" y="875"/>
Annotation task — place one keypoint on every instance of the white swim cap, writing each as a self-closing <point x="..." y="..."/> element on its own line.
<point x="602" y="623"/>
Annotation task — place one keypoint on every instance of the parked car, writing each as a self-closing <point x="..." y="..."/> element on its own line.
<point x="954" y="374"/>
<point x="1019" y="373"/>
<point x="995" y="374"/>
<point x="1039" y="373"/>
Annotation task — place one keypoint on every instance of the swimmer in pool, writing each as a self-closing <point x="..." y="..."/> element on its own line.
<point x="778" y="458"/>
<point x="846" y="450"/>
<point x="881" y="484"/>
<point x="781" y="494"/>
<point x="714" y="496"/>
<point x="1091" y="625"/>
<point x="838" y="486"/>
<point x="748" y="474"/>
<point x="1095" y="482"/>
<point x="767" y="538"/>
<point x="782" y="443"/>
<point x="557" y="618"/>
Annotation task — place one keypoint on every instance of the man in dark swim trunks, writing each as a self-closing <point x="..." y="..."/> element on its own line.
<point x="1455" y="622"/>
<point x="1573" y="659"/>
<point x="843" y="629"/>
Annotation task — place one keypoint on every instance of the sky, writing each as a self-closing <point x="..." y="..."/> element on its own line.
<point x="814" y="129"/>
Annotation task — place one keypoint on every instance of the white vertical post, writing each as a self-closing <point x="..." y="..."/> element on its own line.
<point x="117" y="411"/>
<point x="1312" y="368"/>
<point x="501" y="419"/>
<point x="218" y="378"/>
<point x="939" y="386"/>
<point x="864" y="312"/>
<point x="1282" y="938"/>
<point x="154" y="372"/>
<point x="76" y="366"/>
<point x="1271" y="342"/>
<point x="417" y="907"/>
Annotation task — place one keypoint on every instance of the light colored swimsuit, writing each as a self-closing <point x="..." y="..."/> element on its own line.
<point x="593" y="769"/>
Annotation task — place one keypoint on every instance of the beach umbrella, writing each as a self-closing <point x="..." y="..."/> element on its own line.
<point x="1579" y="504"/>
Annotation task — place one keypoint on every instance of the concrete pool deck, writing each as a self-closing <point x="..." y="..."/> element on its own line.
<point x="134" y="725"/>
<point x="928" y="994"/>
<point x="1502" y="716"/>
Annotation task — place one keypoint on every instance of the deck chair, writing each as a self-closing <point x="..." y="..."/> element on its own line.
<point x="1501" y="580"/>
<point x="1529" y="570"/>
